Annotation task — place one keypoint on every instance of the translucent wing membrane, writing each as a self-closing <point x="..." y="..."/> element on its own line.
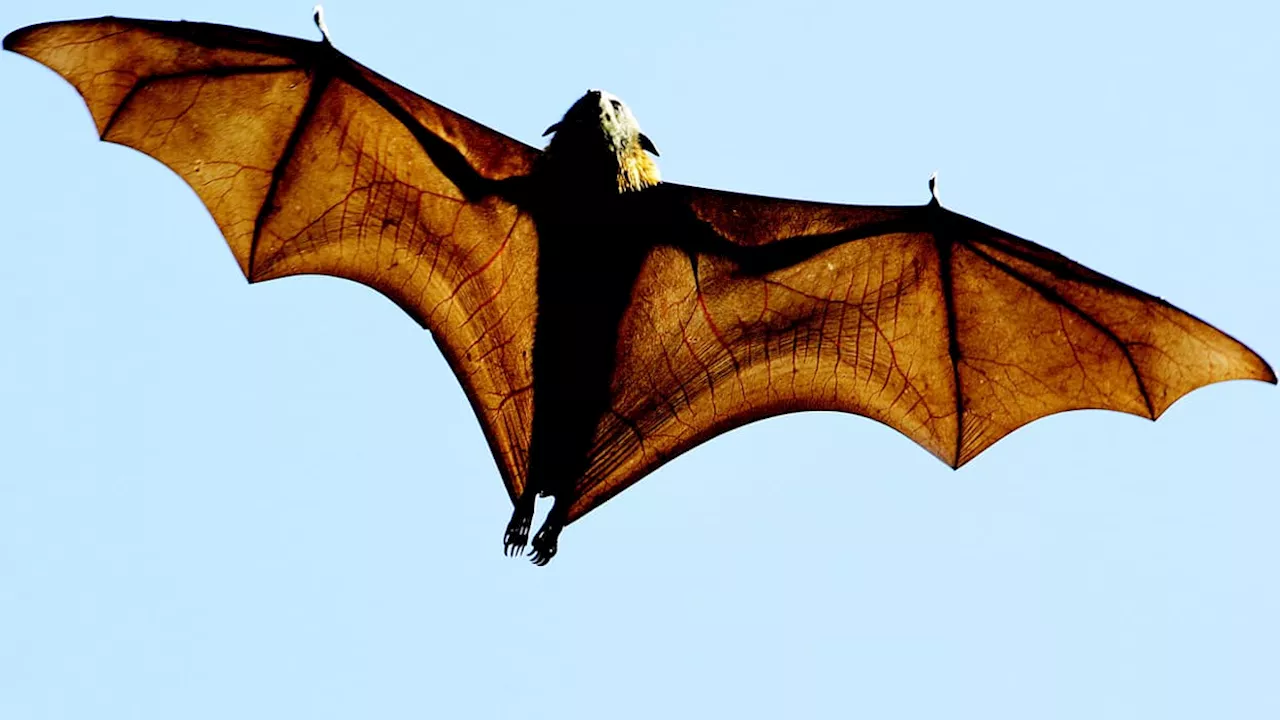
<point x="950" y="331"/>
<point x="313" y="164"/>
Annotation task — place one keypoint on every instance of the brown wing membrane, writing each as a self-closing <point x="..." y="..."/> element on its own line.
<point x="950" y="331"/>
<point x="311" y="163"/>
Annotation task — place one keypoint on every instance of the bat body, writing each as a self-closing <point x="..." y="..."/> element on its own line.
<point x="592" y="244"/>
<point x="602" y="321"/>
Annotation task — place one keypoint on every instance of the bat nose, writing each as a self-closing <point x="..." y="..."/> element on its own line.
<point x="596" y="97"/>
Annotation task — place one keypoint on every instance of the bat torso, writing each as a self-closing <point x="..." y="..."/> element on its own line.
<point x="590" y="199"/>
<point x="591" y="247"/>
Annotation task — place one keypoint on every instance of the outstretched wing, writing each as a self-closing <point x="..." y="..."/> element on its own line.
<point x="312" y="164"/>
<point x="950" y="331"/>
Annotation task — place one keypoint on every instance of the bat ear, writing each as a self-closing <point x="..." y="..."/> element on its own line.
<point x="647" y="144"/>
<point x="551" y="129"/>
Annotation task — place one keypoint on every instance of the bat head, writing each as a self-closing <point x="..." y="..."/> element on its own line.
<point x="599" y="134"/>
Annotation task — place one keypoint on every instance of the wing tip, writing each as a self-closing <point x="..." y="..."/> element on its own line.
<point x="1265" y="373"/>
<point x="1270" y="374"/>
<point x="12" y="41"/>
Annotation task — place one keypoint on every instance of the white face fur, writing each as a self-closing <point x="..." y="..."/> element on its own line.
<point x="599" y="136"/>
<point x="616" y="119"/>
<point x="603" y="111"/>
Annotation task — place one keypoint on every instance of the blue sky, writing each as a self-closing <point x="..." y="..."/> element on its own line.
<point x="273" y="501"/>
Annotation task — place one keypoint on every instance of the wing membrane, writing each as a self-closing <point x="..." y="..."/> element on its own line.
<point x="313" y="164"/>
<point x="947" y="330"/>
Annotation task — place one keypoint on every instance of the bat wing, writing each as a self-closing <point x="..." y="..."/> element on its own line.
<point x="950" y="331"/>
<point x="312" y="164"/>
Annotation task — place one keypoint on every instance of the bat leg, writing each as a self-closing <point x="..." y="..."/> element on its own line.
<point x="545" y="542"/>
<point x="517" y="535"/>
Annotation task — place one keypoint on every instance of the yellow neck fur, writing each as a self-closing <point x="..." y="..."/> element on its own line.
<point x="636" y="170"/>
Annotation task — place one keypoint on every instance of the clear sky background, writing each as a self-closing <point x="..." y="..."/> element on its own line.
<point x="225" y="501"/>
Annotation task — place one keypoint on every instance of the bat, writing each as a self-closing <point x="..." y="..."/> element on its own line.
<point x="600" y="320"/>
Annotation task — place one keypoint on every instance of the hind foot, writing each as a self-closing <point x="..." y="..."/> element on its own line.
<point x="544" y="543"/>
<point x="517" y="535"/>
